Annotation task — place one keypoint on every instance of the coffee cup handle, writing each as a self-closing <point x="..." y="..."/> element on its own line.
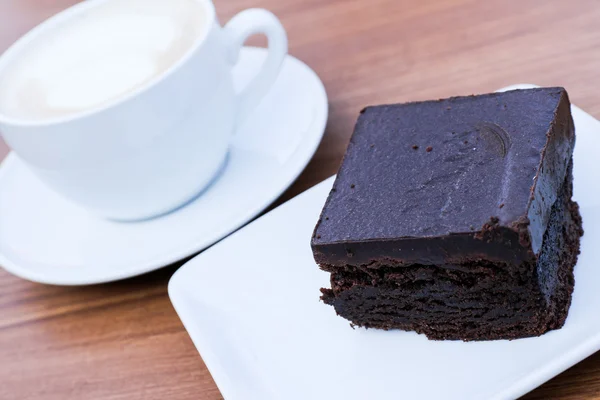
<point x="238" y="29"/>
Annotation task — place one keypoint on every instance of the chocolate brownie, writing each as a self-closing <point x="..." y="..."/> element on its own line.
<point x="454" y="217"/>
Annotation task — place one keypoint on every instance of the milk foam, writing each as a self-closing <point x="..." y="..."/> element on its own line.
<point x="98" y="57"/>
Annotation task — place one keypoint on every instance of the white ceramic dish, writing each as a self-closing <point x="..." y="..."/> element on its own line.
<point x="46" y="239"/>
<point x="251" y="305"/>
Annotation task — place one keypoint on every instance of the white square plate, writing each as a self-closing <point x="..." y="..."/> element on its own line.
<point x="251" y="305"/>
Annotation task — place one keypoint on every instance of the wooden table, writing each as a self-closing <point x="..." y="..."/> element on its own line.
<point x="124" y="341"/>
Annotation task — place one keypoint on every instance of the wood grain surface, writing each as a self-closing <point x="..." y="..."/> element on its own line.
<point x="124" y="341"/>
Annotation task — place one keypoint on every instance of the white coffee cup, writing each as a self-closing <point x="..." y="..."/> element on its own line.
<point x="158" y="145"/>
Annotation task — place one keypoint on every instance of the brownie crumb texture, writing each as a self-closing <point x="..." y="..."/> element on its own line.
<point x="466" y="243"/>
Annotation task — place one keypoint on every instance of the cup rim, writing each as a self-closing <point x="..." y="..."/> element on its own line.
<point x="62" y="17"/>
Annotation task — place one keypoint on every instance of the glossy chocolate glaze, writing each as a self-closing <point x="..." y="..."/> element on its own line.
<point x="449" y="181"/>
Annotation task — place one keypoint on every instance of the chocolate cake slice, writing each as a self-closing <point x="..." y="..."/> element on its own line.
<point x="454" y="217"/>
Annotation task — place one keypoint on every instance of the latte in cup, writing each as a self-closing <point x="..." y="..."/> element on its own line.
<point x="99" y="57"/>
<point x="127" y="108"/>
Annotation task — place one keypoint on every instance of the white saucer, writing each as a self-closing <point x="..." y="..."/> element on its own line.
<point x="251" y="306"/>
<point x="44" y="238"/>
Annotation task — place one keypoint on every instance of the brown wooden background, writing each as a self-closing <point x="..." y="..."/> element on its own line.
<point x="124" y="341"/>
